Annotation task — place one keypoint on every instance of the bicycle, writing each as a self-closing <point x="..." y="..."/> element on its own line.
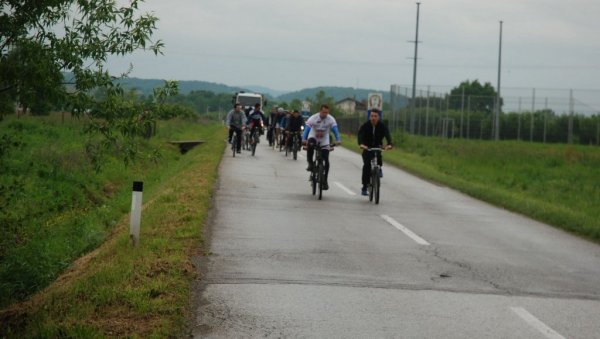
<point x="375" y="180"/>
<point x="317" y="173"/>
<point x="234" y="139"/>
<point x="246" y="140"/>
<point x="296" y="142"/>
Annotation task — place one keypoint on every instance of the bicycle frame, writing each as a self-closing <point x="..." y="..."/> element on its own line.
<point x="374" y="181"/>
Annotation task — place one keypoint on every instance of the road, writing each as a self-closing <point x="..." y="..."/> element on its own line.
<point x="427" y="262"/>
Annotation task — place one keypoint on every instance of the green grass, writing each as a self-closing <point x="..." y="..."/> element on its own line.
<point x="554" y="183"/>
<point x="116" y="290"/>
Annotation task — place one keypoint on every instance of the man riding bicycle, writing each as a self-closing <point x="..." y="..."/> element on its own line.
<point x="256" y="119"/>
<point x="317" y="129"/>
<point x="294" y="125"/>
<point x="370" y="135"/>
<point x="236" y="121"/>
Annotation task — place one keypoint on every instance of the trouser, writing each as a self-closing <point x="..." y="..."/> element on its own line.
<point x="366" y="170"/>
<point x="238" y="132"/>
<point x="312" y="144"/>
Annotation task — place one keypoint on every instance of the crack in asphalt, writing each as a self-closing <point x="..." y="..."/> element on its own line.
<point x="474" y="274"/>
<point x="224" y="280"/>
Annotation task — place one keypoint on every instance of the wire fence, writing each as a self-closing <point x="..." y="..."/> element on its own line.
<point x="537" y="115"/>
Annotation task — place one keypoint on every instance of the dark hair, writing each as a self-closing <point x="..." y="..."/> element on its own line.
<point x="375" y="110"/>
<point x="236" y="104"/>
<point x="324" y="106"/>
<point x="296" y="111"/>
<point x="256" y="105"/>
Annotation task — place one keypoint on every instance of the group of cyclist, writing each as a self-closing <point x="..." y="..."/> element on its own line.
<point x="317" y="128"/>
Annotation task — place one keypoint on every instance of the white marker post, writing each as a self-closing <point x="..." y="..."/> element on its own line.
<point x="136" y="212"/>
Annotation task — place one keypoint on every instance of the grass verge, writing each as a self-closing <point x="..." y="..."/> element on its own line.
<point x="554" y="183"/>
<point x="121" y="291"/>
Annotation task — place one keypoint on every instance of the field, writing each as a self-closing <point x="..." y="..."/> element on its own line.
<point x="67" y="211"/>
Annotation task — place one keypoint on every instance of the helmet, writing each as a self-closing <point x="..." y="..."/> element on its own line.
<point x="280" y="110"/>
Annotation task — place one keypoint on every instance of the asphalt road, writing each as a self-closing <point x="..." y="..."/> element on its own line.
<point x="427" y="262"/>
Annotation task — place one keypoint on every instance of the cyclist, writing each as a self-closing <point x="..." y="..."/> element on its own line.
<point x="236" y="121"/>
<point x="271" y="124"/>
<point x="277" y="124"/>
<point x="370" y="135"/>
<point x="256" y="119"/>
<point x="294" y="125"/>
<point x="317" y="129"/>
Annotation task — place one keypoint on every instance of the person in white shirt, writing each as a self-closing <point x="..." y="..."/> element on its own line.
<point x="316" y="132"/>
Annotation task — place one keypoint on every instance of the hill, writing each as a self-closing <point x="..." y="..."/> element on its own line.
<point x="338" y="93"/>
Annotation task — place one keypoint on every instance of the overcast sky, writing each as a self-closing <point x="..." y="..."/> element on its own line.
<point x="290" y="45"/>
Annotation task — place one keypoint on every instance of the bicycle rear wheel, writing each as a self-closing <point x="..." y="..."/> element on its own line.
<point x="372" y="187"/>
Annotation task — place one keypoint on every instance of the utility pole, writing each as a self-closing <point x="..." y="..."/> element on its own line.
<point x="412" y="104"/>
<point x="571" y="113"/>
<point x="497" y="118"/>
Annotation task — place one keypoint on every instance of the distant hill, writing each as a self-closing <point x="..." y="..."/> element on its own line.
<point x="265" y="90"/>
<point x="146" y="86"/>
<point x="338" y="93"/>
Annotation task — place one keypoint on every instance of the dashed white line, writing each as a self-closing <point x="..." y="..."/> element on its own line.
<point x="536" y="323"/>
<point x="405" y="230"/>
<point x="344" y="188"/>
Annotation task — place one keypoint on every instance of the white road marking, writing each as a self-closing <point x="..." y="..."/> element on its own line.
<point x="405" y="230"/>
<point x="536" y="323"/>
<point x="344" y="188"/>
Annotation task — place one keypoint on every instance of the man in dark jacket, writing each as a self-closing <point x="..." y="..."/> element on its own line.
<point x="370" y="135"/>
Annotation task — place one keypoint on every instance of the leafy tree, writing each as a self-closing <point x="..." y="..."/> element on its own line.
<point x="482" y="97"/>
<point x="41" y="39"/>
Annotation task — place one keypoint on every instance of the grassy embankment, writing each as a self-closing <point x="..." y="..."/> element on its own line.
<point x="554" y="183"/>
<point x="67" y="210"/>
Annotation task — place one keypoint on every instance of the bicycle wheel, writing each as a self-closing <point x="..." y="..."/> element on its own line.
<point x="377" y="185"/>
<point x="321" y="178"/>
<point x="287" y="151"/>
<point x="254" y="142"/>
<point x="233" y="143"/>
<point x="313" y="181"/>
<point x="295" y="149"/>
<point x="372" y="186"/>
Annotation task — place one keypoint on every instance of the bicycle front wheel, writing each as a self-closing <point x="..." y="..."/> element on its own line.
<point x="321" y="171"/>
<point x="377" y="186"/>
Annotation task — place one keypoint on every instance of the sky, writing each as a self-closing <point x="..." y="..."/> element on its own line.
<point x="549" y="45"/>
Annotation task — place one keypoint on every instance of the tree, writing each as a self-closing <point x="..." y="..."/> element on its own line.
<point x="41" y="39"/>
<point x="482" y="97"/>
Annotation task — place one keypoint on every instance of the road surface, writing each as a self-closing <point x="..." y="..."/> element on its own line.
<point x="427" y="262"/>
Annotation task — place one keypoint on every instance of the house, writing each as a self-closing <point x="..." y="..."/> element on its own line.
<point x="351" y="105"/>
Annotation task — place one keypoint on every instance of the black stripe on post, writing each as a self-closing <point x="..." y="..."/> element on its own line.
<point x="138" y="186"/>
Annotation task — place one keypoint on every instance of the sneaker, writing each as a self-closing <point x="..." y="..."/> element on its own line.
<point x="238" y="151"/>
<point x="325" y="186"/>
<point x="310" y="167"/>
<point x="364" y="191"/>
<point x="381" y="172"/>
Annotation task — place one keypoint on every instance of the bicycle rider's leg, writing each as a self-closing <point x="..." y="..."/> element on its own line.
<point x="366" y="170"/>
<point x="231" y="128"/>
<point x="325" y="155"/>
<point x="238" y="147"/>
<point x="310" y="153"/>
